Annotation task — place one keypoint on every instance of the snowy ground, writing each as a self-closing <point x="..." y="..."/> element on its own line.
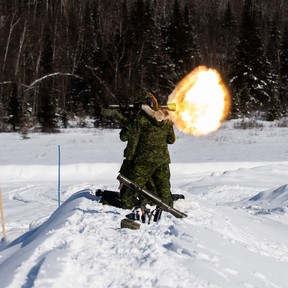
<point x="235" y="235"/>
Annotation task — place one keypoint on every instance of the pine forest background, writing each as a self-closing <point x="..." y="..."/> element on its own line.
<point x="62" y="59"/>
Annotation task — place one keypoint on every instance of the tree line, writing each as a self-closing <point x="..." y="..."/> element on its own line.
<point x="67" y="58"/>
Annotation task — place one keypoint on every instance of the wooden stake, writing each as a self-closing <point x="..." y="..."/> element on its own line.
<point x="2" y="217"/>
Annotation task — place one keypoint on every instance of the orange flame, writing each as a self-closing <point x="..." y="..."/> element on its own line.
<point x="202" y="102"/>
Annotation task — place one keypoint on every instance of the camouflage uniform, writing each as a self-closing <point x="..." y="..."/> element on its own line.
<point x="124" y="136"/>
<point x="148" y="148"/>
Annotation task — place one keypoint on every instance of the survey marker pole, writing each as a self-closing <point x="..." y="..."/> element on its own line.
<point x="2" y="217"/>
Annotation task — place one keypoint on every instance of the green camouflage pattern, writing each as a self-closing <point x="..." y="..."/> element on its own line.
<point x="160" y="175"/>
<point x="148" y="148"/>
<point x="148" y="140"/>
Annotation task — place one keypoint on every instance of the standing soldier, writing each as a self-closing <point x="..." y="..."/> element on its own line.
<point x="147" y="147"/>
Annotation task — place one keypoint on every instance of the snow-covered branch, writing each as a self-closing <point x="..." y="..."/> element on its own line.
<point x="37" y="81"/>
<point x="12" y="82"/>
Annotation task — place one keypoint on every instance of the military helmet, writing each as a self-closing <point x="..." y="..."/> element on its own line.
<point x="151" y="101"/>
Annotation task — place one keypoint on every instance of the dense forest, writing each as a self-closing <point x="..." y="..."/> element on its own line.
<point x="61" y="59"/>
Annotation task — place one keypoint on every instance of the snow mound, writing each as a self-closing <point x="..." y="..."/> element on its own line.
<point x="35" y="247"/>
<point x="268" y="202"/>
<point x="84" y="234"/>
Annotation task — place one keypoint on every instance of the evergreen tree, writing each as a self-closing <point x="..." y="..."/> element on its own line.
<point x="147" y="59"/>
<point x="229" y="18"/>
<point x="47" y="116"/>
<point x="228" y="39"/>
<point x="82" y="90"/>
<point x="273" y="46"/>
<point x="116" y="54"/>
<point x="284" y="70"/>
<point x="175" y="33"/>
<point x="176" y="38"/>
<point x="249" y="68"/>
<point x="26" y="121"/>
<point x="47" y="113"/>
<point x="273" y="51"/>
<point x="211" y="25"/>
<point x="181" y="41"/>
<point x="157" y="62"/>
<point x="139" y="35"/>
<point x="191" y="51"/>
<point x="14" y="108"/>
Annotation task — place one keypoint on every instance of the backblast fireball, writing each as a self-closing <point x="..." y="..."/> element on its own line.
<point x="202" y="102"/>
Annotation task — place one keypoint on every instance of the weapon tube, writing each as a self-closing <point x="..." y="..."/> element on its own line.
<point x="170" y="106"/>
